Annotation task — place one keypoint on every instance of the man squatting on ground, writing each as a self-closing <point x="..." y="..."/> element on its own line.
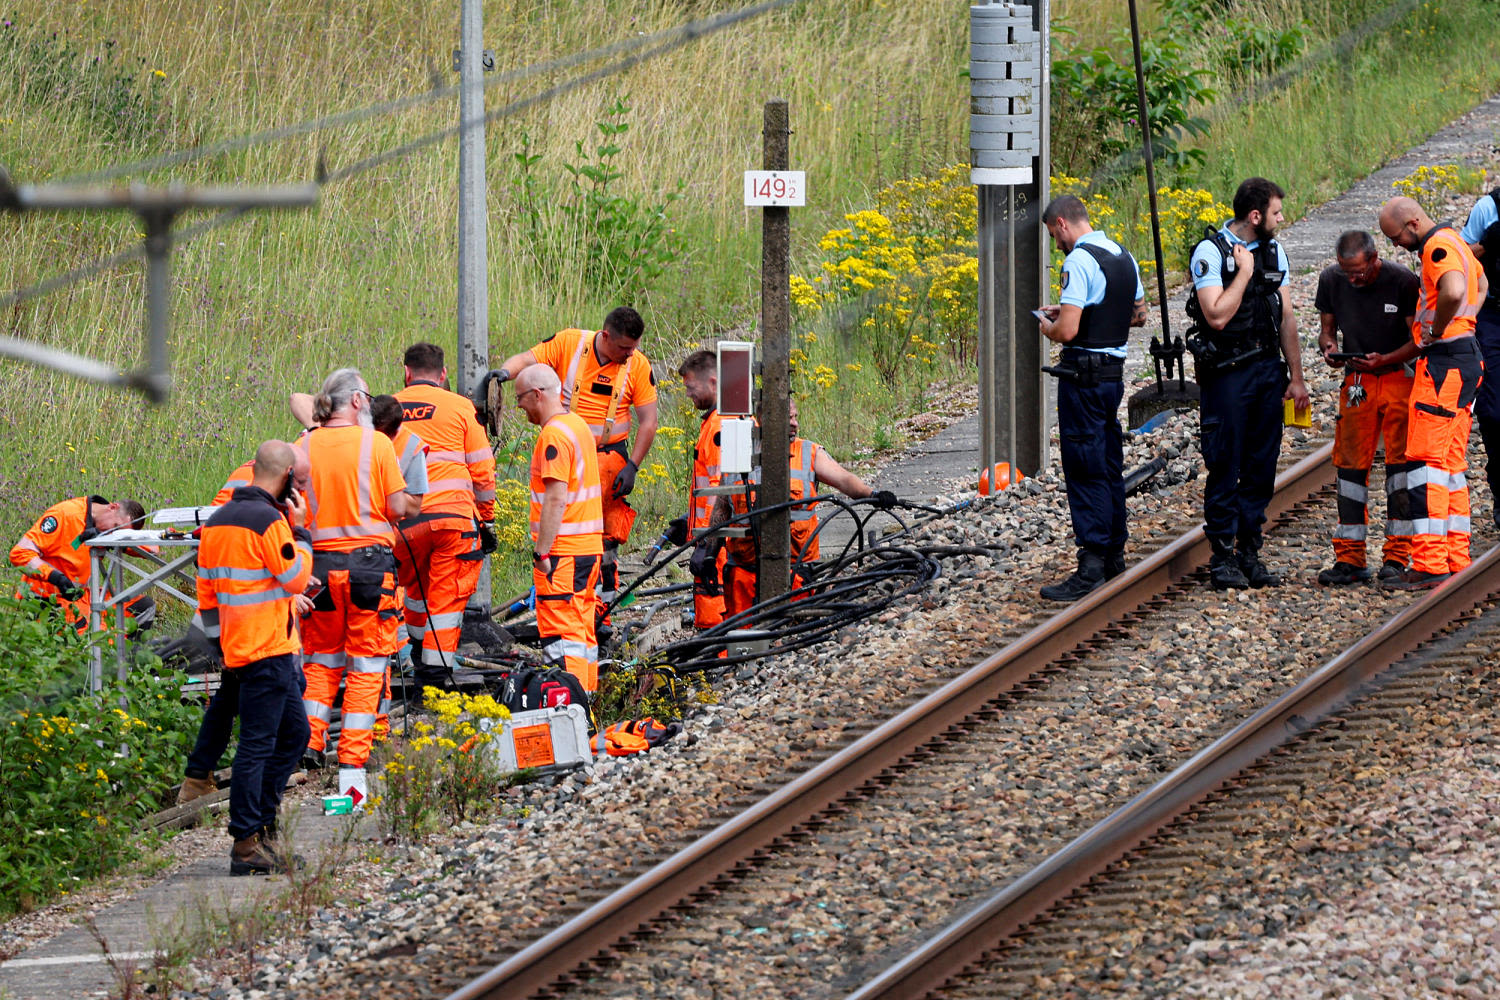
<point x="252" y="568"/>
<point x="567" y="524"/>
<point x="1102" y="298"/>
<point x="604" y="377"/>
<point x="1449" y="369"/>
<point x="1371" y="302"/>
<point x="1241" y="316"/>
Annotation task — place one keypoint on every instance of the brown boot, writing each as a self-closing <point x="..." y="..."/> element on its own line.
<point x="251" y="857"/>
<point x="195" y="788"/>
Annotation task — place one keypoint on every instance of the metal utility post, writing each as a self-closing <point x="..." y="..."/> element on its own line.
<point x="1009" y="167"/>
<point x="473" y="258"/>
<point x="775" y="324"/>
<point x="157" y="208"/>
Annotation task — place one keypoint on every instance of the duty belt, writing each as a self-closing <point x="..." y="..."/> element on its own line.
<point x="370" y="557"/>
<point x="1087" y="369"/>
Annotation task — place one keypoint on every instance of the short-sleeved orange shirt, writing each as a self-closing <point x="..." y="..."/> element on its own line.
<point x="352" y="472"/>
<point x="589" y="387"/>
<point x="1443" y="250"/>
<point x="563" y="454"/>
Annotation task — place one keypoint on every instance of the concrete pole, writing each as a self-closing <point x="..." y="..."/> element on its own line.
<point x="775" y="324"/>
<point x="473" y="262"/>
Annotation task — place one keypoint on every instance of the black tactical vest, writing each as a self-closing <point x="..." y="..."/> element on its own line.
<point x="1258" y="319"/>
<point x="1107" y="323"/>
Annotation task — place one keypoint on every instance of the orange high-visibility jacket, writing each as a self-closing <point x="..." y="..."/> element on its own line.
<point x="602" y="394"/>
<point x="460" y="464"/>
<point x="801" y="483"/>
<point x="707" y="459"/>
<point x="239" y="477"/>
<point x="53" y="539"/>
<point x="250" y="566"/>
<point x="1443" y="250"/>
<point x="352" y="472"/>
<point x="563" y="453"/>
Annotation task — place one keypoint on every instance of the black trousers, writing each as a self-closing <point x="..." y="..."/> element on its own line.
<point x="1240" y="437"/>
<point x="273" y="733"/>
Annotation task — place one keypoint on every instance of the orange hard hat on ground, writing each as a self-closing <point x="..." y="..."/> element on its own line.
<point x="997" y="478"/>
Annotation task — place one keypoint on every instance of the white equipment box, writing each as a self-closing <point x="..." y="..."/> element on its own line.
<point x="550" y="739"/>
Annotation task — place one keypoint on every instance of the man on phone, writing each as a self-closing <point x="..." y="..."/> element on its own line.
<point x="1371" y="302"/>
<point x="252" y="565"/>
<point x="1101" y="300"/>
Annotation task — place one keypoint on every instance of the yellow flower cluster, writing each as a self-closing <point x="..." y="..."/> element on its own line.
<point x="513" y="513"/>
<point x="1430" y="185"/>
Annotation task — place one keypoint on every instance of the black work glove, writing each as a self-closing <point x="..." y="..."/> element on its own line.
<point x="625" y="480"/>
<point x="487" y="541"/>
<point x="705" y="555"/>
<point x="884" y="499"/>
<point x="66" y="588"/>
<point x="482" y="390"/>
<point x="677" y="531"/>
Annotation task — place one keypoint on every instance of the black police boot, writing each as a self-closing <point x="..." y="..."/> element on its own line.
<point x="1114" y="565"/>
<point x="1341" y="573"/>
<point x="1090" y="574"/>
<point x="1255" y="571"/>
<point x="1223" y="568"/>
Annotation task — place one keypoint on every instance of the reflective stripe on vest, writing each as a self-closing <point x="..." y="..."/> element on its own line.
<point x="367" y="526"/>
<point x="611" y="430"/>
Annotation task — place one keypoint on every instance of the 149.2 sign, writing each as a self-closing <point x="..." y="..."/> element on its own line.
<point x="775" y="187"/>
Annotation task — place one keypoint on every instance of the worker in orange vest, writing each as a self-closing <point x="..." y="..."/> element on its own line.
<point x="567" y="524"/>
<point x="252" y="566"/>
<point x="1449" y="370"/>
<point x="217" y="727"/>
<point x="604" y="376"/>
<point x="700" y="380"/>
<point x="356" y="495"/>
<point x="810" y="465"/>
<point x="440" y="551"/>
<point x="54" y="561"/>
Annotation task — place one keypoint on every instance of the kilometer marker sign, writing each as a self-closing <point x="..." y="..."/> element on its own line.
<point x="775" y="187"/>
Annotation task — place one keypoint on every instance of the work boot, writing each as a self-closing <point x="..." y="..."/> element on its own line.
<point x="312" y="760"/>
<point x="1415" y="579"/>
<point x="1391" y="570"/>
<point x="1114" y="565"/>
<point x="270" y="845"/>
<point x="195" y="788"/>
<point x="1223" y="568"/>
<point x="1090" y="574"/>
<point x="1255" y="571"/>
<point x="1341" y="573"/>
<point x="251" y="857"/>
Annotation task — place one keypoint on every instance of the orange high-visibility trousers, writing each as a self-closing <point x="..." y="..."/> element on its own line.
<point x="565" y="605"/>
<point x="439" y="562"/>
<point x="350" y="636"/>
<point x="708" y="594"/>
<point x="1372" y="409"/>
<point x="1437" y="444"/>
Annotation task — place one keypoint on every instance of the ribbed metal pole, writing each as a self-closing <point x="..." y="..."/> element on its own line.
<point x="775" y="320"/>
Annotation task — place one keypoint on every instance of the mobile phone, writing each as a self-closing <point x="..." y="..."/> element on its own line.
<point x="1039" y="314"/>
<point x="285" y="495"/>
<point x="1343" y="356"/>
<point x="311" y="593"/>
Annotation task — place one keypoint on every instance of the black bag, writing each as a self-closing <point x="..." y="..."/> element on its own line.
<point x="527" y="690"/>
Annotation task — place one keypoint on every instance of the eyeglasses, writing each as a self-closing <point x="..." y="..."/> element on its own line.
<point x="522" y="395"/>
<point x="365" y="393"/>
<point x="1362" y="272"/>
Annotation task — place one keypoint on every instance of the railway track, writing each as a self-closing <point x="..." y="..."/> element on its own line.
<point x="771" y="859"/>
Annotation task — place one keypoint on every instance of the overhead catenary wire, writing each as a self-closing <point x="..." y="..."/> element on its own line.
<point x="645" y="47"/>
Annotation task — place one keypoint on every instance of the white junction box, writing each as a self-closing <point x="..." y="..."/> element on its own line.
<point x="736" y="445"/>
<point x="550" y="739"/>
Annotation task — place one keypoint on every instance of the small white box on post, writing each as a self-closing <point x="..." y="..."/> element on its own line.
<point x="736" y="404"/>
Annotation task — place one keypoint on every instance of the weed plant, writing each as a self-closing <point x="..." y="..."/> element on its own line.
<point x="77" y="770"/>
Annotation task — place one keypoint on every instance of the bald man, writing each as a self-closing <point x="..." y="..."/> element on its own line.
<point x="252" y="567"/>
<point x="1449" y="370"/>
<point x="567" y="526"/>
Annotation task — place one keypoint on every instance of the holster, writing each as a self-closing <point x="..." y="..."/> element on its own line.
<point x="1087" y="369"/>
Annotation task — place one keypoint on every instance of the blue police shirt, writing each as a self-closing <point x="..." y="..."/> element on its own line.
<point x="1208" y="262"/>
<point x="1481" y="217"/>
<point x="1083" y="280"/>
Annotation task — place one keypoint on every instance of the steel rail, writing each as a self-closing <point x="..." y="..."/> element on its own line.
<point x="623" y="911"/>
<point x="964" y="942"/>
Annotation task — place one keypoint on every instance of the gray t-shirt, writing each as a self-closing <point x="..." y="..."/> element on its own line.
<point x="1374" y="318"/>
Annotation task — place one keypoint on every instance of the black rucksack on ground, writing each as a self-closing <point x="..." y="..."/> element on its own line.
<point x="528" y="689"/>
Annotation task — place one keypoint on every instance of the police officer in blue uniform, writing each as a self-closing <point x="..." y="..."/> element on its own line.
<point x="1242" y="328"/>
<point x="1482" y="233"/>
<point x="1101" y="300"/>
